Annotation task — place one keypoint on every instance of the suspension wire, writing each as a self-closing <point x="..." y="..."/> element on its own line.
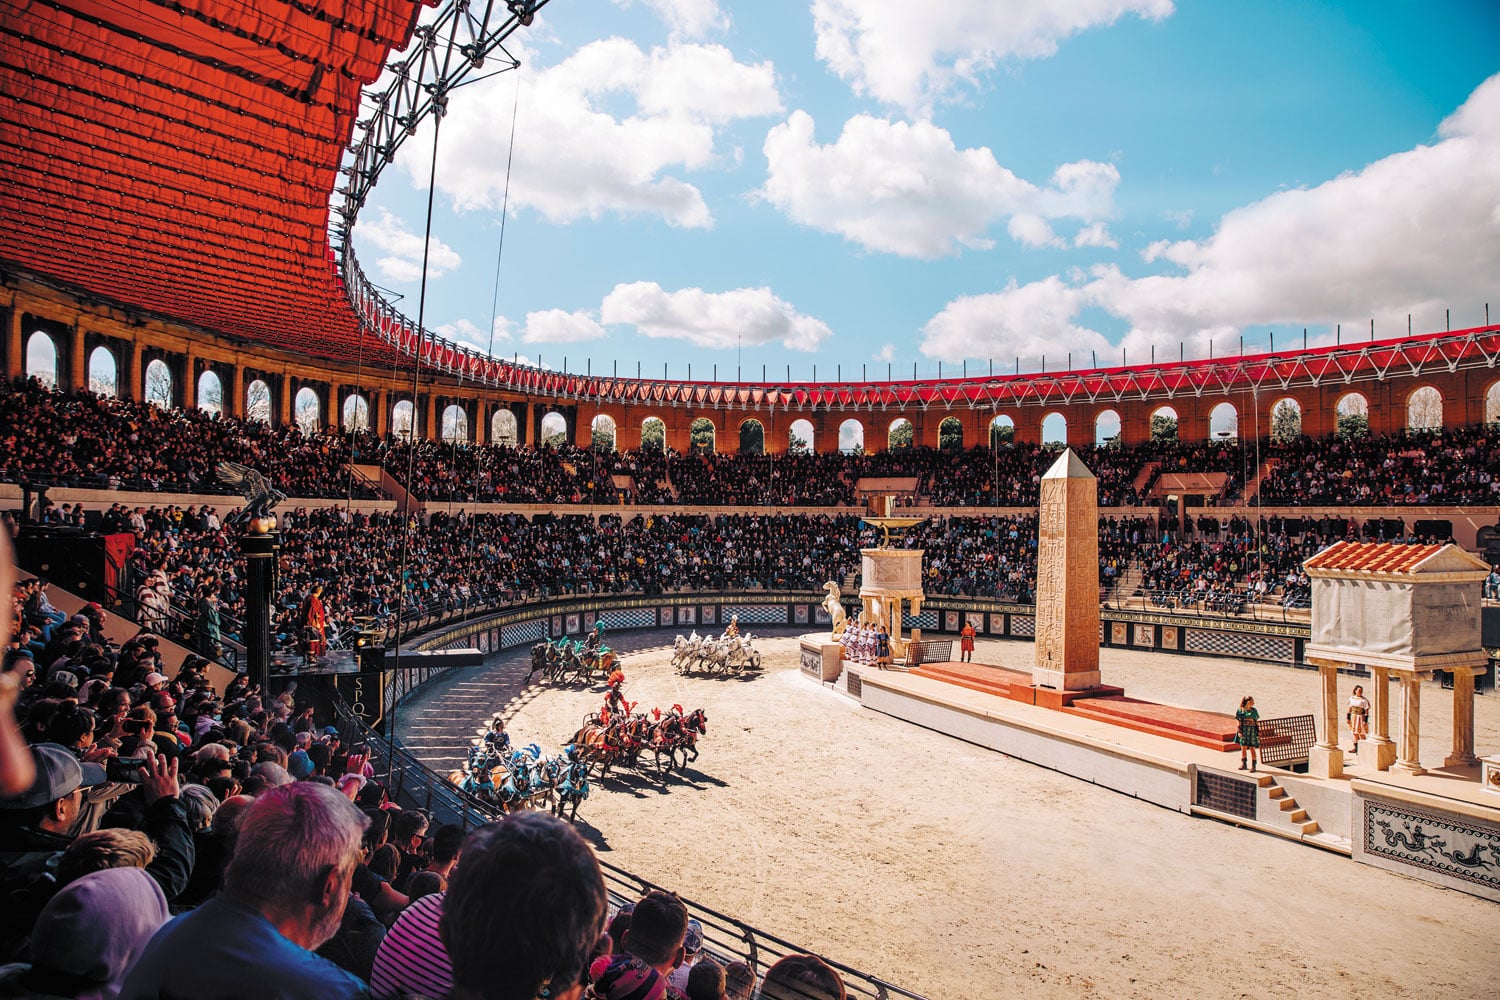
<point x="411" y="454"/>
<point x="495" y="295"/>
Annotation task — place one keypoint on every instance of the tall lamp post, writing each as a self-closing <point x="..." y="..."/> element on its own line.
<point x="261" y="545"/>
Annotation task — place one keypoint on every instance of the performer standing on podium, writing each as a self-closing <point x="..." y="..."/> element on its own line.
<point x="314" y="623"/>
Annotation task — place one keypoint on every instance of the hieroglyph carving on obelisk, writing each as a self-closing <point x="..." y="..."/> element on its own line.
<point x="1067" y="578"/>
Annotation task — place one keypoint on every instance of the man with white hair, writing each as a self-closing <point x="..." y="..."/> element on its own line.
<point x="284" y="895"/>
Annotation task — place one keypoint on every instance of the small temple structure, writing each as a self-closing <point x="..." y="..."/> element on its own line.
<point x="1403" y="611"/>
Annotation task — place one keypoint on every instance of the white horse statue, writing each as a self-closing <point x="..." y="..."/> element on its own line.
<point x="835" y="608"/>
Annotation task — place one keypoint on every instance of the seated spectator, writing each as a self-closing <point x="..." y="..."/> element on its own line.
<point x="412" y="958"/>
<point x="524" y="912"/>
<point x="739" y="981"/>
<point x="802" y="977"/>
<point x="284" y="895"/>
<point x="102" y="850"/>
<point x="705" y="981"/>
<point x="654" y="941"/>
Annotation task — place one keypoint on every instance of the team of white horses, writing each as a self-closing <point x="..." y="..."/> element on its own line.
<point x="715" y="654"/>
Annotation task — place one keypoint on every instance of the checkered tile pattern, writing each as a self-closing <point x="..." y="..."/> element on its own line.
<point x="523" y="634"/>
<point x="926" y="620"/>
<point x="631" y="618"/>
<point x="1248" y="645"/>
<point x="758" y="614"/>
<point x="1022" y="625"/>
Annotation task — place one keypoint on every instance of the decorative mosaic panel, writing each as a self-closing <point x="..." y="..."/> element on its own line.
<point x="588" y="621"/>
<point x="799" y="614"/>
<point x="557" y="623"/>
<point x="482" y="642"/>
<point x="975" y="618"/>
<point x="1119" y="633"/>
<point x="1169" y="636"/>
<point x="1246" y="644"/>
<point x="523" y="633"/>
<point x="926" y="620"/>
<point x="762" y="614"/>
<point x="820" y="616"/>
<point x="997" y="624"/>
<point x="812" y="663"/>
<point x="572" y="624"/>
<point x="950" y="621"/>
<point x="1101" y="633"/>
<point x="631" y="618"/>
<point x="1145" y="635"/>
<point x="1022" y="625"/>
<point x="1225" y="793"/>
<point x="687" y="615"/>
<point x="708" y="614"/>
<point x="666" y="616"/>
<point x="1450" y="845"/>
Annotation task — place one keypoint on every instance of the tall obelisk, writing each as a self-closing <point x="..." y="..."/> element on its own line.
<point x="1067" y="578"/>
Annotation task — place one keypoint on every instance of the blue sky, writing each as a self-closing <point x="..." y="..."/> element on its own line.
<point x="872" y="185"/>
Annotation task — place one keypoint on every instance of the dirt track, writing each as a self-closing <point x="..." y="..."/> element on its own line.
<point x="962" y="873"/>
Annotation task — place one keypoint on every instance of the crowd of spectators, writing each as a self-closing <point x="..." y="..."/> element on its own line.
<point x="1439" y="468"/>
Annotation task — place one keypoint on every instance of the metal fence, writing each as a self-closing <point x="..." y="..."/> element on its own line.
<point x="413" y="785"/>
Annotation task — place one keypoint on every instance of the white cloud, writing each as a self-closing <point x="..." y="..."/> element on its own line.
<point x="1032" y="231"/>
<point x="1095" y="234"/>
<point x="577" y="153"/>
<point x="905" y="188"/>
<point x="912" y="54"/>
<point x="558" y="326"/>
<point x="715" y="320"/>
<point x="1180" y="217"/>
<point x="402" y="261"/>
<point x="687" y="18"/>
<point x="1411" y="233"/>
<point x="886" y="353"/>
<point x="462" y="331"/>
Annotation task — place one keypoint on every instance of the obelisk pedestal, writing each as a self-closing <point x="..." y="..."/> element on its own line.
<point x="1067" y="579"/>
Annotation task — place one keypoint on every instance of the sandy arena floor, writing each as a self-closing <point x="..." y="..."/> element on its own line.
<point x="961" y="873"/>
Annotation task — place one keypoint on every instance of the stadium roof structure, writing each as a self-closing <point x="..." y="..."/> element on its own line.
<point x="181" y="157"/>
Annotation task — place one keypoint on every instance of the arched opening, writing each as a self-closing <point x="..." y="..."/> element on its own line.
<point x="1224" y="423"/>
<point x="356" y="415"/>
<point x="752" y="437"/>
<point x="1164" y="424"/>
<point x="504" y="429"/>
<point x="900" y="435"/>
<point x="554" y="430"/>
<point x="799" y="437"/>
<point x="402" y="419"/>
<point x="1286" y="420"/>
<point x="1353" y="415"/>
<point x="653" y="434"/>
<point x="1054" y="430"/>
<point x="1002" y="431"/>
<point x="258" y="401"/>
<point x="211" y="393"/>
<point x="702" y="437"/>
<point x="159" y="384"/>
<point x="951" y="434"/>
<point x="1492" y="404"/>
<point x="41" y="358"/>
<point x="851" y="437"/>
<point x="104" y="373"/>
<point x="602" y="433"/>
<point x="1106" y="429"/>
<point x="1424" y="410"/>
<point x="307" y="410"/>
<point x="455" y="428"/>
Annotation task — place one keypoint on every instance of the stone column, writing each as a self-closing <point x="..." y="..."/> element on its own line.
<point x="1377" y="752"/>
<point x="1067" y="599"/>
<point x="430" y="429"/>
<point x="132" y="385"/>
<point x="79" y="365"/>
<point x="234" y="391"/>
<point x="1463" y="721"/>
<point x="15" y="361"/>
<point x="1408" y="752"/>
<point x="1325" y="759"/>
<point x="189" y="378"/>
<point x="287" y="388"/>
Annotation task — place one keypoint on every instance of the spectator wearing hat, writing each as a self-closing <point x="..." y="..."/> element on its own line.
<point x="524" y="912"/>
<point x="284" y="895"/>
<point x="692" y="944"/>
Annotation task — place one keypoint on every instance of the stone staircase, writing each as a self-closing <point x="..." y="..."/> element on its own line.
<point x="1252" y="488"/>
<point x="1144" y="478"/>
<point x="1278" y="813"/>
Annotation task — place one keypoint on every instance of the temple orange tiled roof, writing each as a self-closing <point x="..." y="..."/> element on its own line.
<point x="1372" y="557"/>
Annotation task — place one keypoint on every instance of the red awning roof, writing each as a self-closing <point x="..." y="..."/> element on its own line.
<point x="179" y="157"/>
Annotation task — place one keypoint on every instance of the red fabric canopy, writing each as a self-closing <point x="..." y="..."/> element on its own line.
<point x="179" y="157"/>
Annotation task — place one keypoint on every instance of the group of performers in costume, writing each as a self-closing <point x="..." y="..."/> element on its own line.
<point x="867" y="642"/>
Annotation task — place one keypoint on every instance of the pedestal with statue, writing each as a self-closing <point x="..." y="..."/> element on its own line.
<point x="890" y="583"/>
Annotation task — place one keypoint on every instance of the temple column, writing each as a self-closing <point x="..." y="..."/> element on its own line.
<point x="1408" y="751"/>
<point x="189" y="378"/>
<point x="78" y="373"/>
<point x="1325" y="759"/>
<point x="1463" y="721"/>
<point x="1377" y="752"/>
<point x="286" y="402"/>
<point x="234" y="391"/>
<point x="15" y="362"/>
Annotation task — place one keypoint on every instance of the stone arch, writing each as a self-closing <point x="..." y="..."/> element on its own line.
<point x="211" y="393"/>
<point x="158" y="387"/>
<point x="602" y="435"/>
<point x="900" y="434"/>
<point x="455" y="425"/>
<point x="752" y="437"/>
<point x="1224" y="423"/>
<point x="1002" y="431"/>
<point x="403" y="419"/>
<point x="703" y="437"/>
<point x="1164" y="424"/>
<point x="851" y="436"/>
<point x="258" y="401"/>
<point x="1492" y="403"/>
<point x="1424" y="409"/>
<point x="1054" y="429"/>
<point x="951" y="434"/>
<point x="41" y="358"/>
<point x="554" y="429"/>
<point x="503" y="428"/>
<point x="800" y="437"/>
<point x="1352" y="415"/>
<point x="1286" y="419"/>
<point x="1106" y="428"/>
<point x="654" y="434"/>
<point x="356" y="415"/>
<point x="104" y="372"/>
<point x="307" y="410"/>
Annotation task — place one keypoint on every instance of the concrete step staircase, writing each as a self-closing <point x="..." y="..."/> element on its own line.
<point x="850" y="581"/>
<point x="1279" y="814"/>
<point x="1144" y="477"/>
<point x="1252" y="488"/>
